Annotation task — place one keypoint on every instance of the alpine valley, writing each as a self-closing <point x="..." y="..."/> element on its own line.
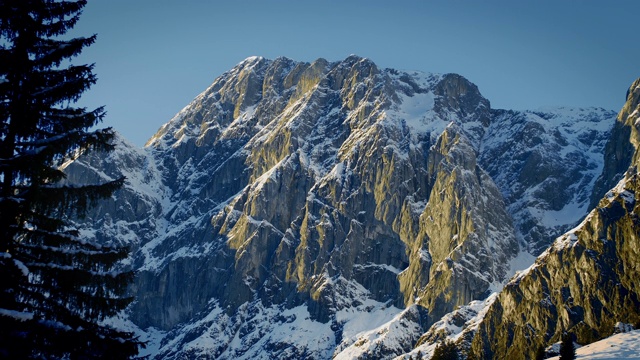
<point x="338" y="210"/>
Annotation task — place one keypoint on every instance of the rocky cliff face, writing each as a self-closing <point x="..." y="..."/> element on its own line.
<point x="546" y="164"/>
<point x="586" y="281"/>
<point x="338" y="202"/>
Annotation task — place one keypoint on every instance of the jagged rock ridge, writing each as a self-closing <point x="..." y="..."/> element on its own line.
<point x="587" y="281"/>
<point x="314" y="196"/>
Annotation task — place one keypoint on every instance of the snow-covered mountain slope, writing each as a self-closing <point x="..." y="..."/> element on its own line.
<point x="620" y="346"/>
<point x="586" y="282"/>
<point x="132" y="216"/>
<point x="312" y="210"/>
<point x="546" y="163"/>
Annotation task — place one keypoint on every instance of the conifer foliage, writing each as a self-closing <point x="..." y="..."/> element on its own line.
<point x="446" y="350"/>
<point x="567" y="350"/>
<point x="56" y="287"/>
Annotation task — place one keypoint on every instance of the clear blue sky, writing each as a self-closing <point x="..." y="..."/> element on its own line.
<point x="154" y="56"/>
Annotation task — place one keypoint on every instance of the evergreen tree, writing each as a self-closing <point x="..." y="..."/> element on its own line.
<point x="56" y="287"/>
<point x="446" y="350"/>
<point x="567" y="351"/>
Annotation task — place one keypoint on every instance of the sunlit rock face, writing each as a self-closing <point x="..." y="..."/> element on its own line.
<point x="587" y="281"/>
<point x="312" y="210"/>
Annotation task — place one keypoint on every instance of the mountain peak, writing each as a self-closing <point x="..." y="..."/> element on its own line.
<point x="251" y="60"/>
<point x="319" y="198"/>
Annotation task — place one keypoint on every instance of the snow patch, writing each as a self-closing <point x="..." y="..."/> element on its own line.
<point x="617" y="347"/>
<point x="521" y="263"/>
<point x="18" y="315"/>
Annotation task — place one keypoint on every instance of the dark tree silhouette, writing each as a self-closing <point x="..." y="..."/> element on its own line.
<point x="446" y="350"/>
<point x="567" y="350"/>
<point x="56" y="287"/>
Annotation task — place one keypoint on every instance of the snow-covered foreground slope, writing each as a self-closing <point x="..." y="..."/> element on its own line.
<point x="312" y="210"/>
<point x="617" y="347"/>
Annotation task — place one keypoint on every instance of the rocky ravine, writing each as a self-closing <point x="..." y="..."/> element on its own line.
<point x="335" y="208"/>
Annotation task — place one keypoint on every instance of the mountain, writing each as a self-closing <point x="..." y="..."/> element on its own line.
<point x="586" y="282"/>
<point x="336" y="209"/>
<point x="546" y="164"/>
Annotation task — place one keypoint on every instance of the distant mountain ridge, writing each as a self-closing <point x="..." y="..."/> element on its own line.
<point x="335" y="209"/>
